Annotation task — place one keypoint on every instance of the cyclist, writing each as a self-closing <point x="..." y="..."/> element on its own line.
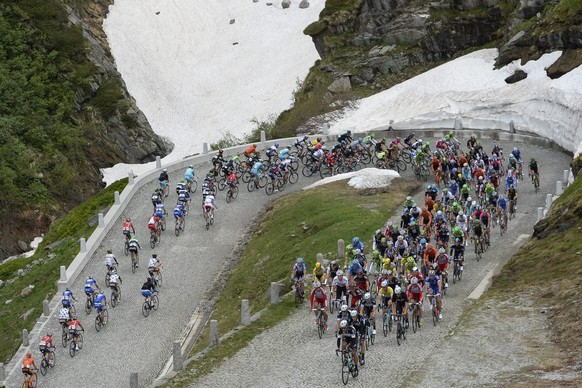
<point x="164" y="179"/>
<point x="361" y="327"/>
<point x="360" y="285"/>
<point x="458" y="251"/>
<point x="148" y="288"/>
<point x="74" y="327"/>
<point x="232" y="180"/>
<point x="502" y="206"/>
<point x="340" y="286"/>
<point x="189" y="176"/>
<point x="318" y="271"/>
<point x="110" y="260"/>
<point x="28" y="365"/>
<point x="485" y="220"/>
<point x="209" y="207"/>
<point x="128" y="228"/>
<point x="442" y="261"/>
<point x="432" y="288"/>
<point x="160" y="211"/>
<point x="90" y="286"/>
<point x="414" y="293"/>
<point x="154" y="265"/>
<point x="115" y="283"/>
<point x="156" y="198"/>
<point x="273" y="174"/>
<point x="385" y="294"/>
<point x="477" y="229"/>
<point x="133" y="247"/>
<point x="179" y="211"/>
<point x="400" y="303"/>
<point x="255" y="171"/>
<point x="184" y="199"/>
<point x="368" y="308"/>
<point x="250" y="150"/>
<point x="349" y="337"/>
<point x="45" y="345"/>
<point x="100" y="302"/>
<point x="533" y="169"/>
<point x="153" y="226"/>
<point x="217" y="161"/>
<point x="317" y="299"/>
<point x="66" y="299"/>
<point x="512" y="197"/>
<point x="64" y="316"/>
<point x="331" y="272"/>
<point x="299" y="271"/>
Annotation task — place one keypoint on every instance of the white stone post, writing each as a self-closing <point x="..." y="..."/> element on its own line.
<point x="304" y="4"/>
<point x="566" y="177"/>
<point x="101" y="220"/>
<point x="25" y="340"/>
<point x="540" y="213"/>
<point x="245" y="312"/>
<point x="158" y="162"/>
<point x="204" y="148"/>
<point x="558" y="187"/>
<point x="213" y="332"/>
<point x="45" y="308"/>
<point x="548" y="200"/>
<point x="341" y="248"/>
<point x="133" y="380"/>
<point x="82" y="245"/>
<point x="130" y="178"/>
<point x="116" y="199"/>
<point x="177" y="356"/>
<point x="63" y="273"/>
<point x="263" y="140"/>
<point x="275" y="289"/>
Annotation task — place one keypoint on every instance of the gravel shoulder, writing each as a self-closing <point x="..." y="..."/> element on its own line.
<point x="292" y="355"/>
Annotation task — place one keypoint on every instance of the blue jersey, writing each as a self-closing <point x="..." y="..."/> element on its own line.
<point x="300" y="269"/>
<point x="160" y="210"/>
<point x="517" y="154"/>
<point x="183" y="196"/>
<point x="454" y="188"/>
<point x="433" y="283"/>
<point x="354" y="268"/>
<point x="189" y="174"/>
<point x="256" y="167"/>
<point x="89" y="284"/>
<point x="502" y="202"/>
<point x="99" y="301"/>
<point x="178" y="211"/>
<point x="283" y="153"/>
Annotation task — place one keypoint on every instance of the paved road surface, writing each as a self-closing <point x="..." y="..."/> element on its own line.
<point x="290" y="354"/>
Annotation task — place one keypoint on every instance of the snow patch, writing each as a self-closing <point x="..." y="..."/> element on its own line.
<point x="368" y="178"/>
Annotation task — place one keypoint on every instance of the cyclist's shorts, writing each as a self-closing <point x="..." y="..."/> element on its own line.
<point x="255" y="173"/>
<point x="321" y="301"/>
<point x="99" y="308"/>
<point x="133" y="249"/>
<point x="435" y="290"/>
<point x="415" y="297"/>
<point x="152" y="226"/>
<point x="442" y="267"/>
<point x="66" y="303"/>
<point x="207" y="208"/>
<point x="146" y="293"/>
<point x="177" y="214"/>
<point x="43" y="349"/>
<point x="88" y="291"/>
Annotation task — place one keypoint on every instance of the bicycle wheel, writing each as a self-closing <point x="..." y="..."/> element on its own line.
<point x="251" y="186"/>
<point x="53" y="358"/>
<point x="155" y="303"/>
<point x="385" y="325"/>
<point x="72" y="349"/>
<point x="263" y="181"/>
<point x="345" y="369"/>
<point x="228" y="196"/>
<point x="126" y="248"/>
<point x="331" y="306"/>
<point x="194" y="185"/>
<point x="269" y="189"/>
<point x="221" y="184"/>
<point x="372" y="335"/>
<point x="399" y="333"/>
<point x="159" y="279"/>
<point x="133" y="262"/>
<point x="246" y="176"/>
<point x="65" y="337"/>
<point x="235" y="192"/>
<point x="320" y="328"/>
<point x="145" y="309"/>
<point x="177" y="228"/>
<point x="400" y="165"/>
<point x="435" y="316"/>
<point x="414" y="321"/>
<point x="88" y="306"/>
<point x="460" y="274"/>
<point x="152" y="241"/>
<point x="293" y="177"/>
<point x="98" y="323"/>
<point x="163" y="224"/>
<point x="113" y="299"/>
<point x="43" y="366"/>
<point x="455" y="274"/>
<point x="307" y="171"/>
<point x="207" y="223"/>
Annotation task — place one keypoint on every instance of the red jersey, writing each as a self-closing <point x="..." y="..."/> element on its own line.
<point x="318" y="295"/>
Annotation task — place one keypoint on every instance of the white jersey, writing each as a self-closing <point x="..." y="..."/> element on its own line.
<point x="462" y="221"/>
<point x="153" y="262"/>
<point x="109" y="259"/>
<point x="114" y="278"/>
<point x="209" y="201"/>
<point x="64" y="313"/>
<point x="319" y="153"/>
<point x="340" y="283"/>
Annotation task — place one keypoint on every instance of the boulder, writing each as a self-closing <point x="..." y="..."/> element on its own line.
<point x="517" y="76"/>
<point x="22" y="245"/>
<point x="286" y="4"/>
<point x="340" y="85"/>
<point x="55" y="244"/>
<point x="304" y="4"/>
<point x="232" y="21"/>
<point x="25" y="292"/>
<point x="27" y="314"/>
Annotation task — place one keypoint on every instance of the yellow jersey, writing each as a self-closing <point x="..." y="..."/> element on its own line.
<point x="386" y="292"/>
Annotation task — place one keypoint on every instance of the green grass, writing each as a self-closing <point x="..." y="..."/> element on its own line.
<point x="44" y="277"/>
<point x="550" y="268"/>
<point x="298" y="225"/>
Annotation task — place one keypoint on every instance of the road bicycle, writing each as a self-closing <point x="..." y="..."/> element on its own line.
<point x="77" y="341"/>
<point x="151" y="303"/>
<point x="165" y="188"/>
<point x="299" y="294"/>
<point x="231" y="193"/>
<point x="416" y="306"/>
<point x="109" y="271"/>
<point x="89" y="304"/>
<point x="337" y="303"/>
<point x="134" y="261"/>
<point x="348" y="364"/>
<point x="257" y="182"/>
<point x="193" y="184"/>
<point x="535" y="179"/>
<point x="433" y="307"/>
<point x="370" y="331"/>
<point x="502" y="224"/>
<point x="101" y="319"/>
<point x="161" y="224"/>
<point x="115" y="297"/>
<point x="512" y="204"/>
<point x="48" y="361"/>
<point x="400" y="328"/>
<point x="126" y="245"/>
<point x="321" y="322"/>
<point x="479" y="249"/>
<point x="180" y="224"/>
<point x="457" y="270"/>
<point x="154" y="239"/>
<point x="208" y="216"/>
<point x="386" y="321"/>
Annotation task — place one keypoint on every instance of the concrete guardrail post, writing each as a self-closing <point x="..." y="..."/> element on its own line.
<point x="63" y="273"/>
<point x="540" y="213"/>
<point x="245" y="312"/>
<point x="2" y="372"/>
<point x="325" y="129"/>
<point x="45" y="308"/>
<point x="341" y="248"/>
<point x="204" y="148"/>
<point x="130" y="178"/>
<point x="263" y="140"/>
<point x="319" y="258"/>
<point x="158" y="162"/>
<point x="213" y="332"/>
<point x="275" y="290"/>
<point x="82" y="245"/>
<point x="177" y="356"/>
<point x="548" y="200"/>
<point x="566" y="177"/>
<point x="101" y="220"/>
<point x="133" y="380"/>
<point x="25" y="340"/>
<point x="558" y="187"/>
<point x="116" y="200"/>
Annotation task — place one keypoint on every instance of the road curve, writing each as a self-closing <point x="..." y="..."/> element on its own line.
<point x="290" y="354"/>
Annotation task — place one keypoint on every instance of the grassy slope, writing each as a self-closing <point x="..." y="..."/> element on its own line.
<point x="44" y="277"/>
<point x="328" y="213"/>
<point x="551" y="269"/>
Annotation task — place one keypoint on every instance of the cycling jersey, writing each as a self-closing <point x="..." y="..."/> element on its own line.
<point x="433" y="283"/>
<point x="300" y="270"/>
<point x="399" y="300"/>
<point x="160" y="210"/>
<point x="99" y="302"/>
<point x="64" y="315"/>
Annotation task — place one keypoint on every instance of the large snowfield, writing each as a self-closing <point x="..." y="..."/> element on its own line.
<point x="194" y="85"/>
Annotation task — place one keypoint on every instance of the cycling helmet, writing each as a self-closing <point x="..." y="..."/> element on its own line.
<point x="276" y="145"/>
<point x="355" y="240"/>
<point x="90" y="276"/>
<point x="473" y="203"/>
<point x="375" y="252"/>
<point x="414" y="269"/>
<point x="431" y="273"/>
<point x="109" y="251"/>
<point x="469" y="199"/>
<point x="480" y="178"/>
<point x="67" y="289"/>
<point x="442" y="250"/>
<point x="389" y="272"/>
<point x="358" y="251"/>
<point x="400" y="238"/>
<point x="398" y="290"/>
<point x="408" y="198"/>
<point x="455" y="204"/>
<point x="515" y="148"/>
<point x="154" y="255"/>
<point x="384" y="284"/>
<point x="316" y="283"/>
<point x="288" y="147"/>
<point x="406" y="210"/>
<point x="355" y="261"/>
<point x="343" y="323"/>
<point x="410" y="259"/>
<point x="340" y="273"/>
<point x="367" y="296"/>
<point x="318" y="265"/>
<point x="454" y="170"/>
<point x="428" y="187"/>
<point x="439" y="213"/>
<point x="300" y="260"/>
<point x="354" y="313"/>
<point x="28" y="355"/>
<point x="457" y="240"/>
<point x="389" y="223"/>
<point x="466" y="165"/>
<point x="333" y="262"/>
<point x="493" y="194"/>
<point x="49" y="334"/>
<point x="344" y="307"/>
<point x="423" y="241"/>
<point x="465" y="186"/>
<point x="191" y="166"/>
<point x="390" y="243"/>
<point x="165" y="170"/>
<point x="414" y="280"/>
<point x="412" y="221"/>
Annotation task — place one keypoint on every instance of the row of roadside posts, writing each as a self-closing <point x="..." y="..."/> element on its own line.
<point x="560" y="186"/>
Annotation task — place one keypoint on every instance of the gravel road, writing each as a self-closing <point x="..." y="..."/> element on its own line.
<point x="190" y="264"/>
<point x="290" y="354"/>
